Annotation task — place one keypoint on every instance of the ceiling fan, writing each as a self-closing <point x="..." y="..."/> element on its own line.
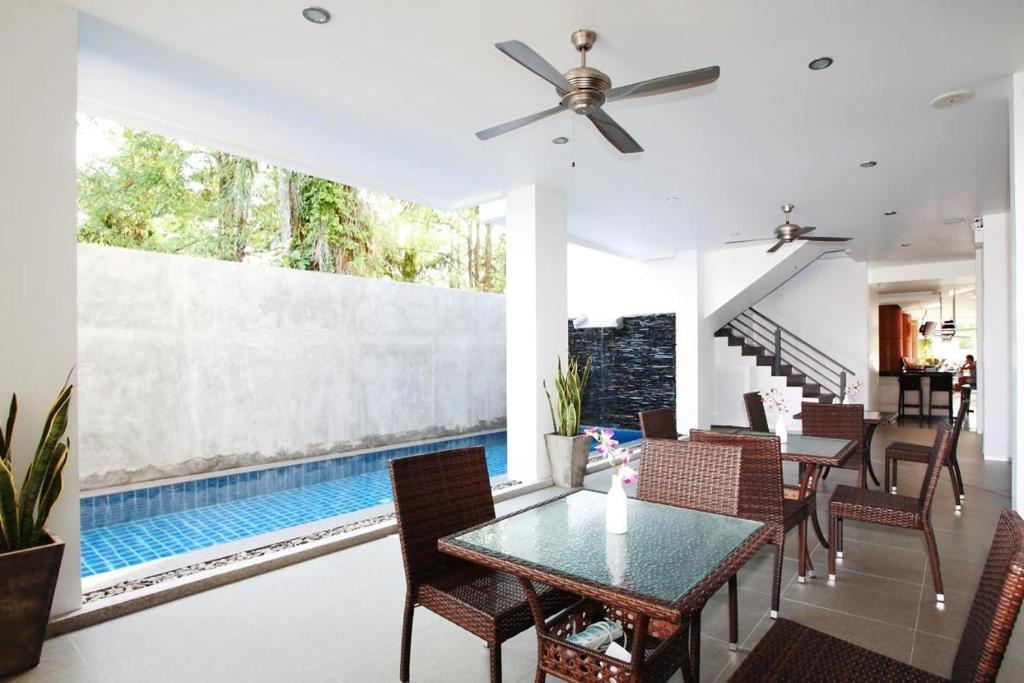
<point x="584" y="90"/>
<point x="791" y="232"/>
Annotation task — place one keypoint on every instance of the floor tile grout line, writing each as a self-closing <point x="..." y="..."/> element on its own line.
<point x="917" y="621"/>
<point x="849" y="614"/>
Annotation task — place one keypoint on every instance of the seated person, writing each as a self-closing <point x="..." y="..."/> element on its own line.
<point x="968" y="372"/>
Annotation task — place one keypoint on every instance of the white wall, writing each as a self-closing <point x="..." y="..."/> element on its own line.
<point x="827" y="305"/>
<point x="191" y="365"/>
<point x="993" y="291"/>
<point x="1017" y="302"/>
<point x="38" y="46"/>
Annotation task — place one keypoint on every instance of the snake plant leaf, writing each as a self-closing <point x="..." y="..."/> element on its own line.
<point x="8" y="510"/>
<point x="53" y="430"/>
<point x="52" y="488"/>
<point x="7" y="436"/>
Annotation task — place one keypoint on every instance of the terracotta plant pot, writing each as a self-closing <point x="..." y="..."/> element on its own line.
<point x="27" y="581"/>
<point x="568" y="457"/>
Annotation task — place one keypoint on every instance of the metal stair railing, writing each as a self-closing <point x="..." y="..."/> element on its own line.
<point x="790" y="349"/>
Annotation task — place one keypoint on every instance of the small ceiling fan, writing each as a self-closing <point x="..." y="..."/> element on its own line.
<point x="791" y="232"/>
<point x="584" y="90"/>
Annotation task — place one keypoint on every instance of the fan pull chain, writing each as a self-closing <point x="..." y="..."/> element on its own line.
<point x="573" y="142"/>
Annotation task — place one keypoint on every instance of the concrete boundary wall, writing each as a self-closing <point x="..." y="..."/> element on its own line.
<point x="190" y="365"/>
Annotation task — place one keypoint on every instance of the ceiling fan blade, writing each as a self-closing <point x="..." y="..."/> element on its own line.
<point x="807" y="228"/>
<point x="509" y="126"/>
<point x="613" y="132"/>
<point x="664" y="84"/>
<point x="826" y="239"/>
<point x="778" y="245"/>
<point x="759" y="239"/>
<point x="526" y="56"/>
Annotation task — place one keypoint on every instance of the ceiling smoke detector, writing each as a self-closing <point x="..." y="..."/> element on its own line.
<point x="955" y="220"/>
<point x="868" y="164"/>
<point x="952" y="99"/>
<point x="560" y="140"/>
<point x="317" y="15"/>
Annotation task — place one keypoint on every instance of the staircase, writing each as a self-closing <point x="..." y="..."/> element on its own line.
<point x="820" y="377"/>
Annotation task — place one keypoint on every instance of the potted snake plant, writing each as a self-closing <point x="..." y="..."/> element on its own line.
<point x="567" y="448"/>
<point x="30" y="556"/>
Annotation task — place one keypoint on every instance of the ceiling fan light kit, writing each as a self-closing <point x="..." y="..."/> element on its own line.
<point x="584" y="90"/>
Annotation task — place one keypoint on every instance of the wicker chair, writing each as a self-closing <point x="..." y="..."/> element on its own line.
<point x="882" y="507"/>
<point x="791" y="652"/>
<point x="762" y="497"/>
<point x="659" y="424"/>
<point x="900" y="451"/>
<point x="439" y="494"/>
<point x="836" y="421"/>
<point x="698" y="476"/>
<point x="755" y="412"/>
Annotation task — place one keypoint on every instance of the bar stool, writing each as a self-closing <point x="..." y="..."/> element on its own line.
<point x="911" y="383"/>
<point x="941" y="383"/>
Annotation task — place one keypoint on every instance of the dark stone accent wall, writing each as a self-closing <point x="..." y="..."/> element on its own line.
<point x="633" y="369"/>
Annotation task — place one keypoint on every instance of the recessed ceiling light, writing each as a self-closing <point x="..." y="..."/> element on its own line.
<point x="952" y="99"/>
<point x="905" y="245"/>
<point x="868" y="164"/>
<point x="889" y="213"/>
<point x="317" y="15"/>
<point x="956" y="220"/>
<point x="673" y="198"/>
<point x="560" y="140"/>
<point x="820" y="63"/>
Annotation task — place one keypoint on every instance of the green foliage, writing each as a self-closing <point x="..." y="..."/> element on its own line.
<point x="569" y="388"/>
<point x="158" y="194"/>
<point x="23" y="513"/>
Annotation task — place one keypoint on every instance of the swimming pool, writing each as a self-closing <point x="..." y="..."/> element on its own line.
<point x="129" y="528"/>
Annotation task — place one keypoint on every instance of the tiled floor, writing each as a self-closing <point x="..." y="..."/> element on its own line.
<point x="338" y="618"/>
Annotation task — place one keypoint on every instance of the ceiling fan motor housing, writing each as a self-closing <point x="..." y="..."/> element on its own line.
<point x="588" y="86"/>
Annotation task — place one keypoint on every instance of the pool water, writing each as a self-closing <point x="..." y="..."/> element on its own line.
<point x="129" y="528"/>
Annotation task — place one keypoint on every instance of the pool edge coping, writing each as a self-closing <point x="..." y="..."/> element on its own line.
<point x="139" y="599"/>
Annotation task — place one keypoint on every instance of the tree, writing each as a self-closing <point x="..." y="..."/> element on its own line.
<point x="158" y="194"/>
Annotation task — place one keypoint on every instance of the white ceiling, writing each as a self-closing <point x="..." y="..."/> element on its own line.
<point x="921" y="298"/>
<point x="411" y="82"/>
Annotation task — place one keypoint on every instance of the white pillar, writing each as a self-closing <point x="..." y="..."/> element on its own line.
<point x="537" y="322"/>
<point x="38" y="63"/>
<point x="1017" y="303"/>
<point x="994" y="321"/>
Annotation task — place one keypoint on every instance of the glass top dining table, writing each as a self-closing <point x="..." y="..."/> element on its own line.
<point x="654" y="568"/>
<point x="809" y="450"/>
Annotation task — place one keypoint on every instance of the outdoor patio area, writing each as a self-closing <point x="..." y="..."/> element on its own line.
<point x="339" y="617"/>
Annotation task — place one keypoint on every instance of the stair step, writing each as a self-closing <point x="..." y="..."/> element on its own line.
<point x="724" y="332"/>
<point x="753" y="350"/>
<point x="812" y="390"/>
<point x="765" y="360"/>
<point x="795" y="379"/>
<point x="736" y="341"/>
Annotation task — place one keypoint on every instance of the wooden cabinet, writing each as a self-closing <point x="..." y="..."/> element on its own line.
<point x="890" y="337"/>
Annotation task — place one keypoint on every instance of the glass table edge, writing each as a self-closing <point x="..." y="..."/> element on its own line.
<point x="658" y="608"/>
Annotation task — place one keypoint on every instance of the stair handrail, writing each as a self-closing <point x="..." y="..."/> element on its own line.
<point x="836" y="385"/>
<point x="806" y="343"/>
<point x="767" y="340"/>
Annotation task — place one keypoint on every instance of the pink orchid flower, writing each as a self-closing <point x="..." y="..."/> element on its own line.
<point x="627" y="474"/>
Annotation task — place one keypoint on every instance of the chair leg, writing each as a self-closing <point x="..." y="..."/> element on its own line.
<point x="406" y="638"/>
<point x="495" y="649"/>
<point x="888" y="477"/>
<point x="734" y="616"/>
<point x="695" y="645"/>
<point x="810" y="565"/>
<point x="824" y="474"/>
<point x="839" y="537"/>
<point x="895" y="476"/>
<point x="933" y="560"/>
<point x="801" y="546"/>
<point x="956" y="486"/>
<point x="833" y="537"/>
<point x="542" y="676"/>
<point x="959" y="477"/>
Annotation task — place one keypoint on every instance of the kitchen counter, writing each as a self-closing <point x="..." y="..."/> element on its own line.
<point x="889" y="392"/>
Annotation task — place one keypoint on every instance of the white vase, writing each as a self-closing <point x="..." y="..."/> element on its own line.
<point x="780" y="428"/>
<point x="617" y="507"/>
